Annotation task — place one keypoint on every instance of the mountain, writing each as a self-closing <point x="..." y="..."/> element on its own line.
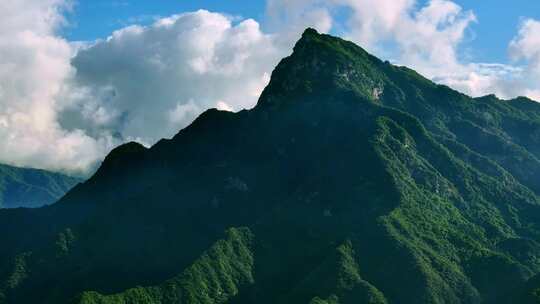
<point x="351" y="181"/>
<point x="22" y="187"/>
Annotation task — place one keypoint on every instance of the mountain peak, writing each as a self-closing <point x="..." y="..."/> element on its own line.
<point x="310" y="32"/>
<point x="323" y="65"/>
<point x="121" y="157"/>
<point x="127" y="148"/>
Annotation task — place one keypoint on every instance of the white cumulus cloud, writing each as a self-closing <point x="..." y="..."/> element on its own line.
<point x="34" y="66"/>
<point x="64" y="105"/>
<point x="148" y="82"/>
<point x="526" y="47"/>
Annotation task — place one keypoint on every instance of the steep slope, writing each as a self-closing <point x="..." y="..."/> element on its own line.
<point x="21" y="187"/>
<point x="214" y="278"/>
<point x="357" y="182"/>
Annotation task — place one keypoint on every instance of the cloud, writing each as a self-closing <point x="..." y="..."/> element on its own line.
<point x="427" y="37"/>
<point x="526" y="47"/>
<point x="184" y="112"/>
<point x="509" y="81"/>
<point x="149" y="82"/>
<point x="64" y="105"/>
<point x="424" y="37"/>
<point x="291" y="18"/>
<point x="33" y="70"/>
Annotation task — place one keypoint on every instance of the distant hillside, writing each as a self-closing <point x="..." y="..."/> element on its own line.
<point x="352" y="181"/>
<point x="22" y="187"/>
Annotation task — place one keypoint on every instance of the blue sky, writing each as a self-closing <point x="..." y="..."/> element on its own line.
<point x="497" y="23"/>
<point x="93" y="19"/>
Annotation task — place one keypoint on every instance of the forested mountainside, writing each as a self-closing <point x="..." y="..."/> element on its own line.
<point x="22" y="187"/>
<point x="351" y="181"/>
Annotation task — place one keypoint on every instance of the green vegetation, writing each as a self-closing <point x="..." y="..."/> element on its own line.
<point x="20" y="187"/>
<point x="213" y="278"/>
<point x="357" y="182"/>
<point x="19" y="272"/>
<point x="342" y="275"/>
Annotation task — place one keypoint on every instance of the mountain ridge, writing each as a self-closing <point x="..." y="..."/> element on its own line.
<point x="26" y="187"/>
<point x="358" y="181"/>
